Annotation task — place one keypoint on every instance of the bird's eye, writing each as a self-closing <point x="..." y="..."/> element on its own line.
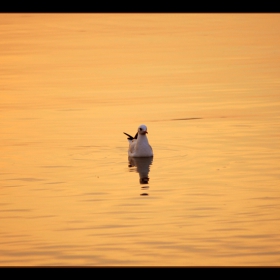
<point x="140" y="128"/>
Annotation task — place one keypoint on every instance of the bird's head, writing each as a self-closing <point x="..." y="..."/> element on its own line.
<point x="142" y="129"/>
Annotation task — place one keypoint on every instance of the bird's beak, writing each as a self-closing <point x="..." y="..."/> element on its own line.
<point x="146" y="131"/>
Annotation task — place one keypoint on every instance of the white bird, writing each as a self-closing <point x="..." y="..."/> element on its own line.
<point x="139" y="145"/>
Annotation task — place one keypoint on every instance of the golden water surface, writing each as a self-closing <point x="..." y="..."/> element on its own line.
<point x="208" y="88"/>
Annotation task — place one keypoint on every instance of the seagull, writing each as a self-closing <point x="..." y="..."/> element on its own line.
<point x="139" y="145"/>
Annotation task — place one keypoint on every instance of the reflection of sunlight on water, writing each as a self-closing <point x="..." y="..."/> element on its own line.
<point x="141" y="166"/>
<point x="213" y="117"/>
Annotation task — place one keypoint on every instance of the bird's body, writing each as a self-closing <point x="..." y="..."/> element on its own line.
<point x="139" y="145"/>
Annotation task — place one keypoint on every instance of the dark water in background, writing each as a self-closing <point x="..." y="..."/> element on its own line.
<point x="206" y="86"/>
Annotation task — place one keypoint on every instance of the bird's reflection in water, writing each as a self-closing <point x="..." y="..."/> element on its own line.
<point x="142" y="165"/>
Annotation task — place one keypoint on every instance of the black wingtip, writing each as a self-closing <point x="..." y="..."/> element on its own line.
<point x="129" y="136"/>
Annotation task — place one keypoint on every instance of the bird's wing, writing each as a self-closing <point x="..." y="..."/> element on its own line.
<point x="131" y="147"/>
<point x="129" y="136"/>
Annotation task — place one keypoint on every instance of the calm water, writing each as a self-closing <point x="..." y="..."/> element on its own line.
<point x="207" y="87"/>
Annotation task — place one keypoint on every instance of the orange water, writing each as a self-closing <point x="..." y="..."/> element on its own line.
<point x="207" y="87"/>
